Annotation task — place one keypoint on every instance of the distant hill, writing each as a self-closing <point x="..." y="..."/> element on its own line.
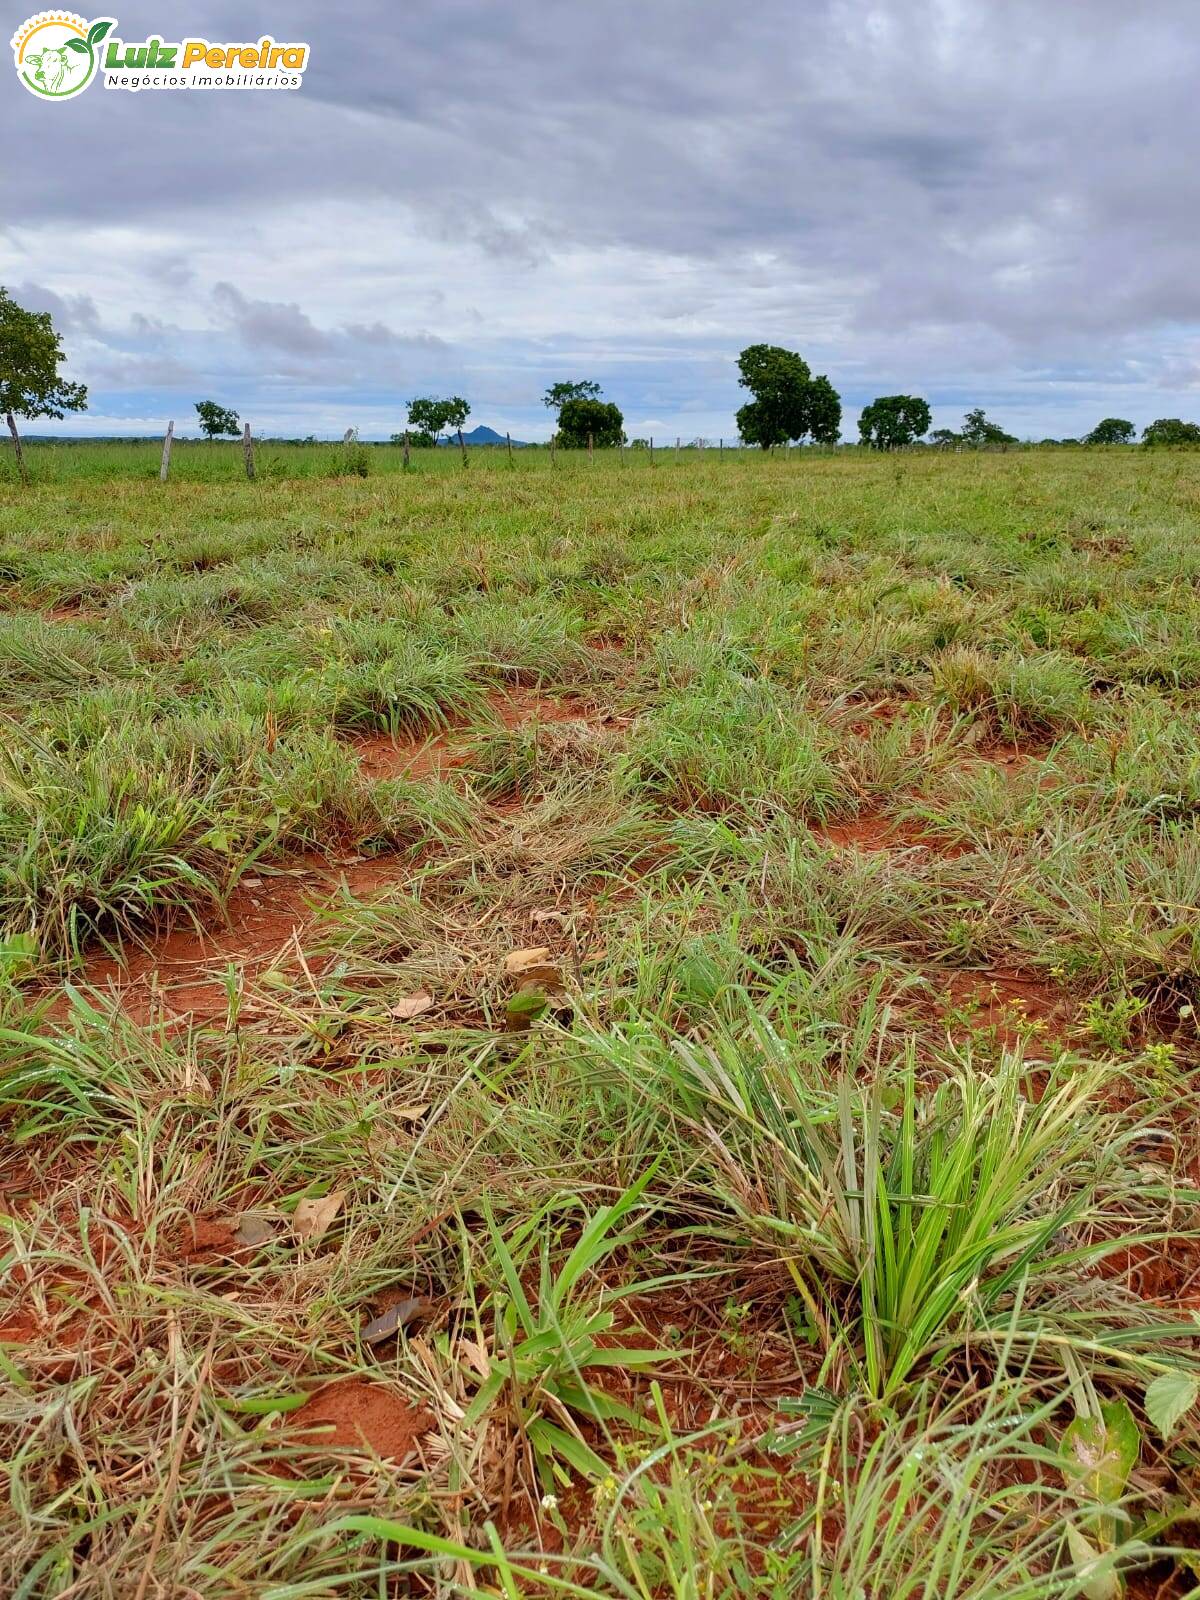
<point x="484" y="435"/>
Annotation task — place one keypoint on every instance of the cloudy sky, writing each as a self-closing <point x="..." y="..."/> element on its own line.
<point x="989" y="202"/>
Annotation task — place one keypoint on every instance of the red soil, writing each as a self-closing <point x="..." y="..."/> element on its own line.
<point x="1015" y="1005"/>
<point x="20" y="1328"/>
<point x="180" y="972"/>
<point x="1012" y="756"/>
<point x="355" y="1415"/>
<point x="208" y="1239"/>
<point x="873" y="831"/>
<point x="713" y="1366"/>
<point x="518" y="708"/>
<point x="1166" y="1273"/>
<point x="385" y="755"/>
<point x="267" y="913"/>
<point x="380" y="755"/>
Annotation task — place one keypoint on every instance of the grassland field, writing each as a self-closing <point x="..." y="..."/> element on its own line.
<point x="600" y="1029"/>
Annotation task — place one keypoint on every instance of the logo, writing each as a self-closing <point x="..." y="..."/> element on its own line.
<point x="58" y="54"/>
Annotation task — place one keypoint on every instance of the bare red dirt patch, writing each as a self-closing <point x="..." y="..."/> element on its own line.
<point x="356" y="1415"/>
<point x="382" y="755"/>
<point x="20" y="1328"/>
<point x="1011" y="756"/>
<point x="386" y="755"/>
<point x="518" y="708"/>
<point x="1015" y="1006"/>
<point x="873" y="832"/>
<point x="181" y="971"/>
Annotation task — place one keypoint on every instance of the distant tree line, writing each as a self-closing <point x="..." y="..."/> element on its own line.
<point x="788" y="405"/>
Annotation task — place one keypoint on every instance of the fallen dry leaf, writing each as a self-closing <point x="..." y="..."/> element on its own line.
<point x="411" y="1006"/>
<point x="254" y="1229"/>
<point x="396" y="1316"/>
<point x="312" y="1218"/>
<point x="518" y="963"/>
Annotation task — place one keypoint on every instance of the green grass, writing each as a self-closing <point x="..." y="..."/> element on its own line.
<point x="747" y="1012"/>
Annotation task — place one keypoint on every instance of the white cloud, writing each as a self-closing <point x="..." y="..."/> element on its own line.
<point x="983" y="202"/>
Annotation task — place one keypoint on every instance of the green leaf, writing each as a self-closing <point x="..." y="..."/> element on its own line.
<point x="1097" y="1578"/>
<point x="1169" y="1398"/>
<point x="548" y="1438"/>
<point x="264" y="1405"/>
<point x="17" y="954"/>
<point x="1099" y="1452"/>
<point x="78" y="46"/>
<point x="97" y="31"/>
<point x="525" y="1007"/>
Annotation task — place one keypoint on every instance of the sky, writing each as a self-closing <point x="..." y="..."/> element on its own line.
<point x="985" y="202"/>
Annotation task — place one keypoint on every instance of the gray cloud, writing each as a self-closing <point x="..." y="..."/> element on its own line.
<point x="983" y="200"/>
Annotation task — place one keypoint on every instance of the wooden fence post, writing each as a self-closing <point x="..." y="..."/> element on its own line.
<point x="166" y="456"/>
<point x="462" y="447"/>
<point x="248" y="451"/>
<point x="590" y="456"/>
<point x="721" y="449"/>
<point x="651" y="449"/>
<point x="508" y="442"/>
<point x="677" y="447"/>
<point x="12" y="428"/>
<point x="406" y="449"/>
<point x="553" y="436"/>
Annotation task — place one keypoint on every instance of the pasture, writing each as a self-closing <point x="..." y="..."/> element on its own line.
<point x="602" y="1028"/>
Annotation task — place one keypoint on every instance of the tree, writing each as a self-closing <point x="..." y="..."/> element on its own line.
<point x="789" y="403"/>
<point x="30" y="382"/>
<point x="1170" y="431"/>
<point x="894" y="421"/>
<point x="557" y="395"/>
<point x="824" y="413"/>
<point x="583" y="416"/>
<point x="215" y="420"/>
<point x="944" y="438"/>
<point x="1113" y="430"/>
<point x="977" y="430"/>
<point x="417" y="438"/>
<point x="435" y="416"/>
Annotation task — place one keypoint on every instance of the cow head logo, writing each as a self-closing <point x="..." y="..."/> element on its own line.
<point x="57" y="54"/>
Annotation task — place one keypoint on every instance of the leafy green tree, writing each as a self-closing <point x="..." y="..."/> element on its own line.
<point x="1113" y="430"/>
<point x="894" y="421"/>
<point x="583" y="416"/>
<point x="1170" y="431"/>
<point x="437" y="416"/>
<point x="824" y="413"/>
<point x="944" y="438"/>
<point x="557" y="395"/>
<point x="30" y="382"/>
<point x="789" y="403"/>
<point x="215" y="420"/>
<point x="417" y="438"/>
<point x="977" y="430"/>
<point x="457" y="412"/>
